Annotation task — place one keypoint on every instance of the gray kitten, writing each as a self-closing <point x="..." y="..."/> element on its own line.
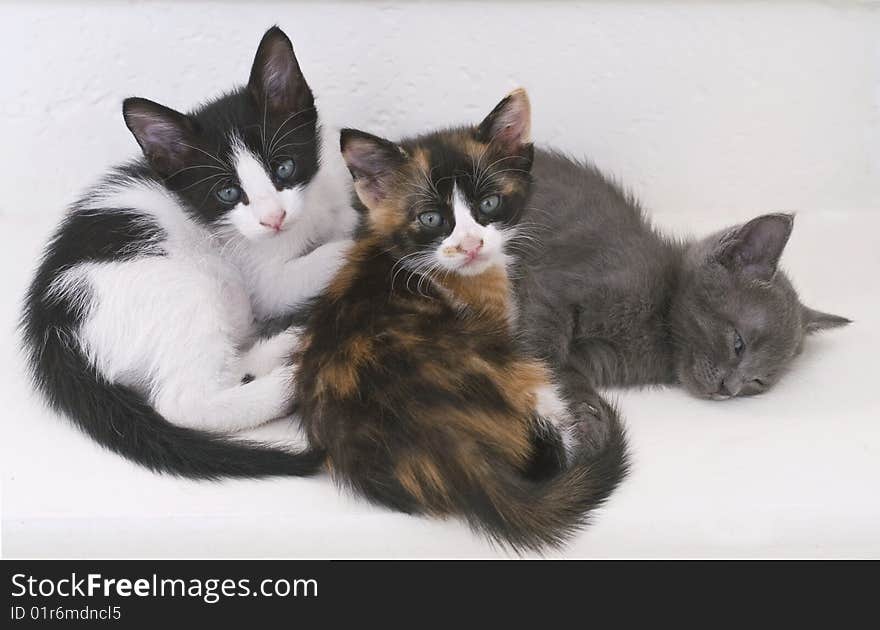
<point x="610" y="301"/>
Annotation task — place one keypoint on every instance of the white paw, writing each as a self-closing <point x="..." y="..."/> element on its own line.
<point x="292" y="336"/>
<point x="269" y="354"/>
<point x="284" y="376"/>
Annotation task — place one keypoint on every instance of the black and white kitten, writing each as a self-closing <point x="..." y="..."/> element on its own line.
<point x="614" y="302"/>
<point x="139" y="324"/>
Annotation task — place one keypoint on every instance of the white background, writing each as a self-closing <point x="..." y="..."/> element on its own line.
<point x="710" y="112"/>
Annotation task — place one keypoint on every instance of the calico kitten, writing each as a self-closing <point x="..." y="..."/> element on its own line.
<point x="409" y="374"/>
<point x="139" y="323"/>
<point x="610" y="301"/>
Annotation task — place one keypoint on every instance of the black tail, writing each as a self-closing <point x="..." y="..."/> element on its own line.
<point x="529" y="514"/>
<point x="123" y="421"/>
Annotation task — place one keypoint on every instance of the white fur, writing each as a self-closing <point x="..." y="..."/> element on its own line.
<point x="267" y="354"/>
<point x="177" y="326"/>
<point x="552" y="409"/>
<point x="451" y="253"/>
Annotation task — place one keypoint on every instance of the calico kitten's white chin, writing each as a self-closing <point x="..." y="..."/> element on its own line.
<point x="472" y="266"/>
<point x="475" y="266"/>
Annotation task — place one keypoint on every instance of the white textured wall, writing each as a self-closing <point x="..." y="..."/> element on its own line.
<point x="695" y="106"/>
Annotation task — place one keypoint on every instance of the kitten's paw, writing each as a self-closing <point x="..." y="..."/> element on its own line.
<point x="591" y="424"/>
<point x="333" y="256"/>
<point x="271" y="353"/>
<point x="291" y="336"/>
<point x="284" y="375"/>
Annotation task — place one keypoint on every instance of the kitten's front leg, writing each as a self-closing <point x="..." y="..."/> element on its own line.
<point x="300" y="279"/>
<point x="209" y="407"/>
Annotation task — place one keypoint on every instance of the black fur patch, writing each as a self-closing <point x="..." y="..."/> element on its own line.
<point x="199" y="149"/>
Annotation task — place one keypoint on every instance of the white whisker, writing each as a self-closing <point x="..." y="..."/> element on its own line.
<point x="281" y="126"/>
<point x="287" y="133"/>
<point x="213" y="157"/>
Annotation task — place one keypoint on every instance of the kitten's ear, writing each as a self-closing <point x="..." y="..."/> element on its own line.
<point x="815" y="321"/>
<point x="276" y="81"/>
<point x="166" y="136"/>
<point x="372" y="161"/>
<point x="509" y="125"/>
<point x="753" y="249"/>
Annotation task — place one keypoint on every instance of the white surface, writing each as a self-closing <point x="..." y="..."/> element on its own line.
<point x="710" y="113"/>
<point x="791" y="473"/>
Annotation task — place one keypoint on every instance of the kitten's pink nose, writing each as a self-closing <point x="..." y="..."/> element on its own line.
<point x="471" y="245"/>
<point x="274" y="219"/>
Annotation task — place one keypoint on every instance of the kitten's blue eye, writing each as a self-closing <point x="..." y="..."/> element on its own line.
<point x="490" y="204"/>
<point x="738" y="344"/>
<point x="285" y="169"/>
<point x="229" y="194"/>
<point x="431" y="219"/>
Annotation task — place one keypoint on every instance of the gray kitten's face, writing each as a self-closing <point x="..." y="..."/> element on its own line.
<point x="737" y="322"/>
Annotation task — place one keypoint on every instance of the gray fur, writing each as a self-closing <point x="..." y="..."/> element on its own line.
<point x="610" y="301"/>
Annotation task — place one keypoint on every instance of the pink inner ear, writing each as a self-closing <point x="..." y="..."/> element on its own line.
<point x="369" y="191"/>
<point x="509" y="124"/>
<point x="360" y="157"/>
<point x="158" y="132"/>
<point x="162" y="140"/>
<point x="369" y="159"/>
<point x="514" y="124"/>
<point x="276" y="77"/>
<point x="277" y="73"/>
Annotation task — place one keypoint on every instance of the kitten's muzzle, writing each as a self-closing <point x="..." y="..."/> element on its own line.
<point x="274" y="220"/>
<point x="729" y="387"/>
<point x="732" y="387"/>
